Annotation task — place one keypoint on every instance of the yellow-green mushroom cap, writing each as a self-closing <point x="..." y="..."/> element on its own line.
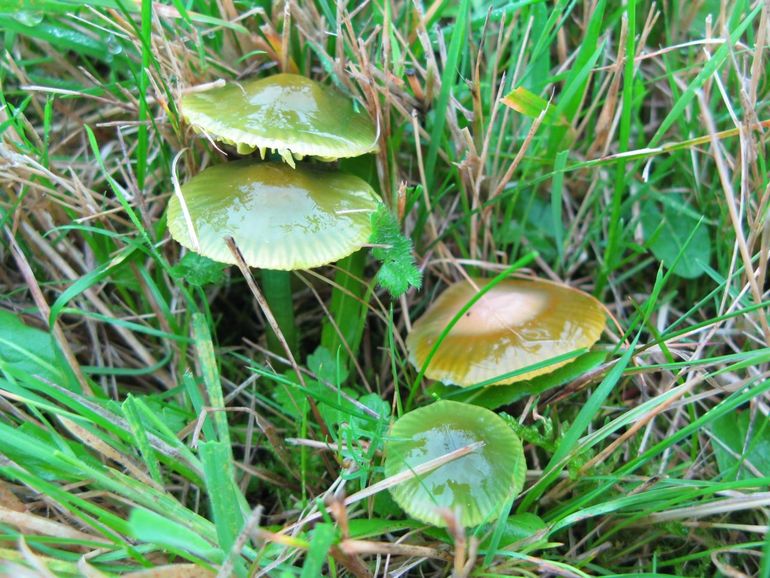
<point x="474" y="486"/>
<point x="292" y="114"/>
<point x="514" y="325"/>
<point x="280" y="218"/>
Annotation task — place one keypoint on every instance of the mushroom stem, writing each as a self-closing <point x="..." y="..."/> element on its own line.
<point x="276" y="286"/>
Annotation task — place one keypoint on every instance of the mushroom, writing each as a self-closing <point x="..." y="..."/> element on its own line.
<point x="515" y="324"/>
<point x="291" y="114"/>
<point x="315" y="217"/>
<point x="280" y="218"/>
<point x="473" y="486"/>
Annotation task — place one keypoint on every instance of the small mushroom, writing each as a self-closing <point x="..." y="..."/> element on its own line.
<point x="514" y="325"/>
<point x="474" y="486"/>
<point x="291" y="114"/>
<point x="280" y="218"/>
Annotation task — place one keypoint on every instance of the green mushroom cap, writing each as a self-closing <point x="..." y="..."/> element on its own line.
<point x="280" y="218"/>
<point x="292" y="114"/>
<point x="474" y="486"/>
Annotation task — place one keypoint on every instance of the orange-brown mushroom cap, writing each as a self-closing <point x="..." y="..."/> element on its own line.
<point x="514" y="325"/>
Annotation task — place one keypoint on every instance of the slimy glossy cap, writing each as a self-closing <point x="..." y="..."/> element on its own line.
<point x="280" y="218"/>
<point x="514" y="325"/>
<point x="292" y="114"/>
<point x="474" y="486"/>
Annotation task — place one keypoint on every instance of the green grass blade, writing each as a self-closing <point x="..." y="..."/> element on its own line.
<point x="448" y="80"/>
<point x="222" y="493"/>
<point x="209" y="367"/>
<point x="323" y="538"/>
